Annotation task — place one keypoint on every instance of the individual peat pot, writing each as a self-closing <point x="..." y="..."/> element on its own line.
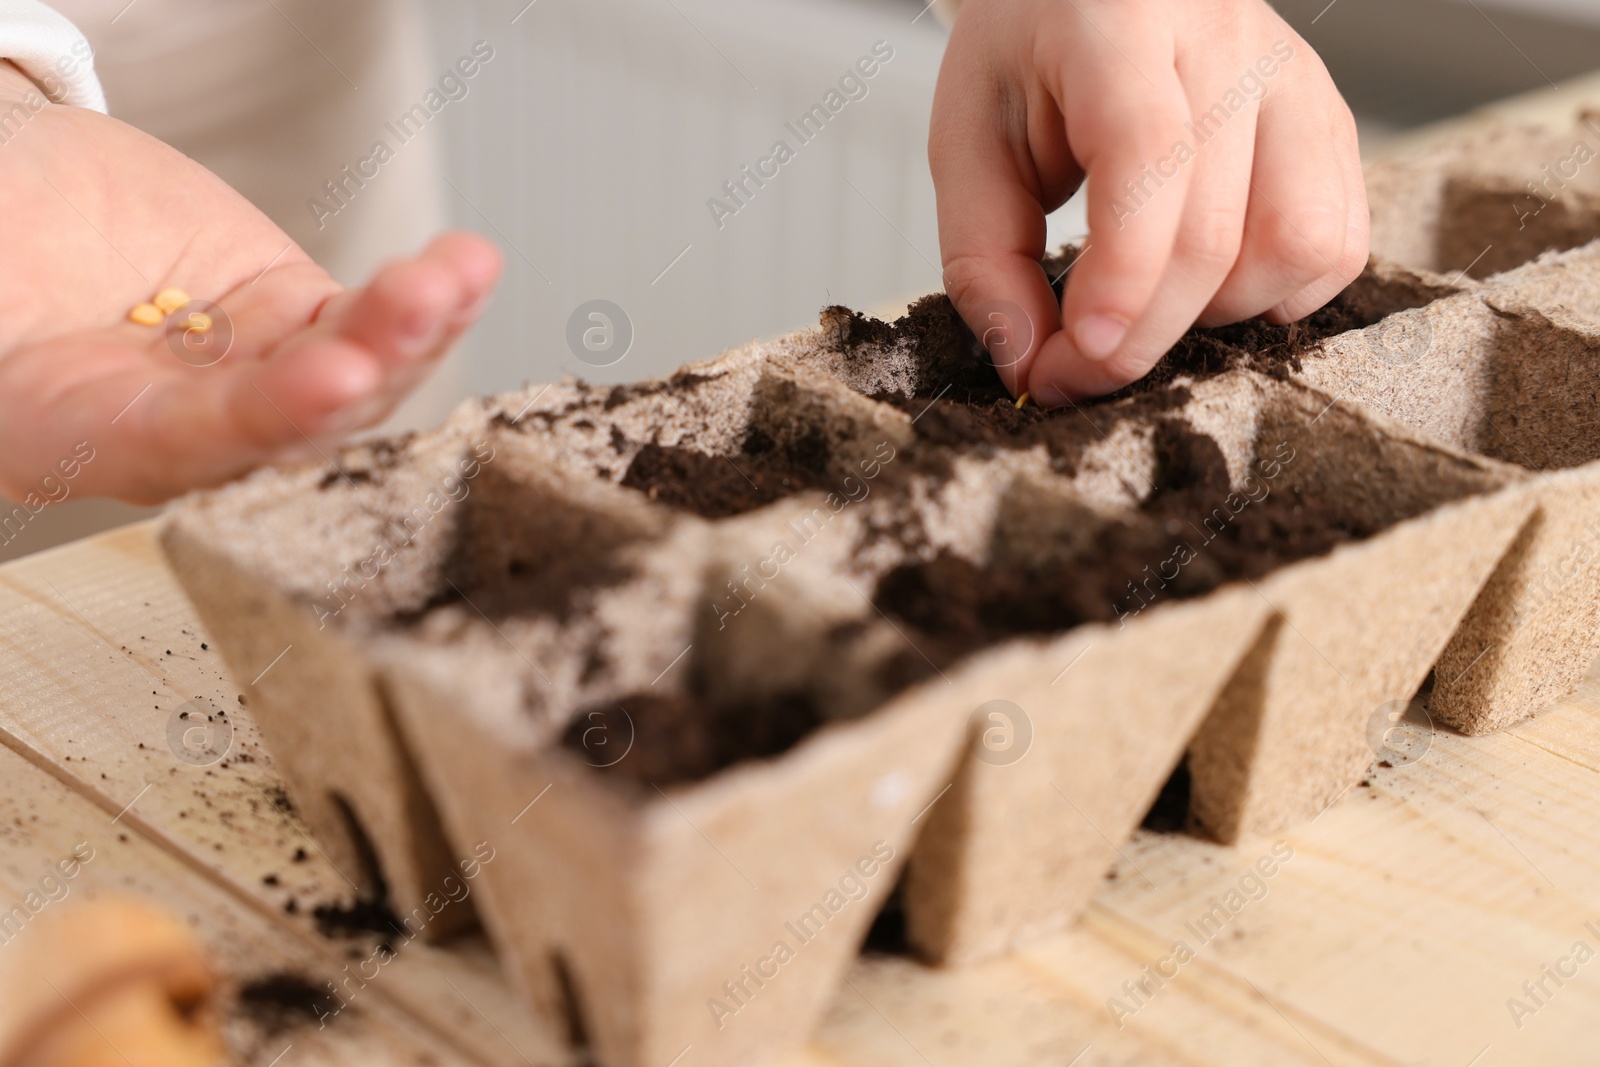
<point x="282" y="568"/>
<point x="1362" y="625"/>
<point x="1489" y="372"/>
<point x="702" y="922"/>
<point x="292" y="571"/>
<point x="1069" y="751"/>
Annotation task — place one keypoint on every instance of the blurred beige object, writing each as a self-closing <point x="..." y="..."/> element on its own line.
<point x="107" y="982"/>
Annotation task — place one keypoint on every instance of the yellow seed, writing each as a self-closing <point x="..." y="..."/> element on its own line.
<point x="146" y="315"/>
<point x="199" y="320"/>
<point x="1023" y="399"/>
<point x="170" y="300"/>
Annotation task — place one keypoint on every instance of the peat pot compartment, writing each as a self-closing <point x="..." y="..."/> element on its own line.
<point x="535" y="538"/>
<point x="596" y="431"/>
<point x="1252" y="475"/>
<point x="1541" y="409"/>
<point x="801" y="432"/>
<point x="1363" y="475"/>
<point x="676" y="737"/>
<point x="666" y="841"/>
<point x="290" y="571"/>
<point x="1490" y="225"/>
<point x="1489" y="204"/>
<point x="1567" y="281"/>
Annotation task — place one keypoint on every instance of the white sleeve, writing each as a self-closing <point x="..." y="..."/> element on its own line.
<point x="49" y="49"/>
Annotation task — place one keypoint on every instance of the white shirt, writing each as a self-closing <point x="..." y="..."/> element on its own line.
<point x="48" y="48"/>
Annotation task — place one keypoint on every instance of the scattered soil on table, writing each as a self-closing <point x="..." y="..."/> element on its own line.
<point x="363" y="916"/>
<point x="279" y="1002"/>
<point x="1192" y="534"/>
<point x="662" y="739"/>
<point x="715" y="487"/>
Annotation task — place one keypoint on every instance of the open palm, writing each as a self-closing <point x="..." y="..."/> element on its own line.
<point x="100" y="218"/>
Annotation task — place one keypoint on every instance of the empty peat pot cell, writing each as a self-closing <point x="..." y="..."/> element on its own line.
<point x="1488" y="205"/>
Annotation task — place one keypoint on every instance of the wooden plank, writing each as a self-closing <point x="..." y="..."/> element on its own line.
<point x="99" y="651"/>
<point x="44" y="822"/>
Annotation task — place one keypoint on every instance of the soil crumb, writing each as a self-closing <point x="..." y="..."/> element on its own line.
<point x="283" y="1001"/>
<point x="662" y="739"/>
<point x="363" y="916"/>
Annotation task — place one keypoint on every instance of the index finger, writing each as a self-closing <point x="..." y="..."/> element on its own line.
<point x="991" y="228"/>
<point x="1125" y="111"/>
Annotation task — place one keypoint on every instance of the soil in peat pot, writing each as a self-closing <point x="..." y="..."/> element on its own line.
<point x="959" y="606"/>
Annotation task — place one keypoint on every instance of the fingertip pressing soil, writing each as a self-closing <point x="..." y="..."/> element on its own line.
<point x="963" y="400"/>
<point x="663" y="739"/>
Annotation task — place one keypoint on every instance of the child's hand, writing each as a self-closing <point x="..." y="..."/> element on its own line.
<point x="99" y="218"/>
<point x="1224" y="179"/>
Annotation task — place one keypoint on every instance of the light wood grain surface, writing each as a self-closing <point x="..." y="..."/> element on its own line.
<point x="1405" y="918"/>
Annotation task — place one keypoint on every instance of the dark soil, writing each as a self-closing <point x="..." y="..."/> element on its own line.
<point x="715" y="487"/>
<point x="555" y="584"/>
<point x="279" y="1002"/>
<point x="974" y="408"/>
<point x="363" y="916"/>
<point x="662" y="739"/>
<point x="1257" y="344"/>
<point x="984" y="419"/>
<point x="1187" y="540"/>
<point x="959" y="399"/>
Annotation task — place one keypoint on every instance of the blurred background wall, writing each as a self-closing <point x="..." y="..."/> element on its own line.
<point x="589" y="145"/>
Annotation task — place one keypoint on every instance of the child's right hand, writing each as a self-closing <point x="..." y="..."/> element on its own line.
<point x="1264" y="213"/>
